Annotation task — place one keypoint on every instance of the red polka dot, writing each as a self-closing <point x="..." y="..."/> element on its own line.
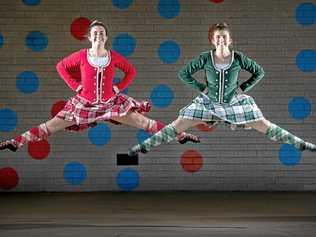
<point x="191" y="161"/>
<point x="79" y="28"/>
<point x="58" y="106"/>
<point x="216" y="1"/>
<point x="8" y="178"/>
<point x="204" y="128"/>
<point x="39" y="150"/>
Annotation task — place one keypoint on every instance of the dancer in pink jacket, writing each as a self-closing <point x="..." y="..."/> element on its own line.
<point x="90" y="72"/>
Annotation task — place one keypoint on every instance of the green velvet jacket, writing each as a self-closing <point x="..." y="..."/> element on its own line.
<point x="222" y="84"/>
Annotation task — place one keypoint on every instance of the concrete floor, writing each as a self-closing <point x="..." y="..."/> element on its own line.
<point x="157" y="214"/>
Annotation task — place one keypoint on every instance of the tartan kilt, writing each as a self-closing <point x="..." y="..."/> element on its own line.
<point x="241" y="110"/>
<point x="85" y="114"/>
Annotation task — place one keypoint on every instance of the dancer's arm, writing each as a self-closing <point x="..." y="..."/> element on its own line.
<point x="185" y="74"/>
<point x="128" y="69"/>
<point x="255" y="69"/>
<point x="67" y="69"/>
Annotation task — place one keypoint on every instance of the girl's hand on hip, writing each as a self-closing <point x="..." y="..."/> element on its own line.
<point x="116" y="90"/>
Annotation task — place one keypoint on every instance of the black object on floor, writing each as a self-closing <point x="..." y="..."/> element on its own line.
<point x="125" y="159"/>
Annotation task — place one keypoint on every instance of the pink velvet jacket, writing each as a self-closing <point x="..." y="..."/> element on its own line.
<point x="93" y="83"/>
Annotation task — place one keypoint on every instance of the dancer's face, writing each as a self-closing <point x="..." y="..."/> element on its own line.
<point x="97" y="36"/>
<point x="221" y="39"/>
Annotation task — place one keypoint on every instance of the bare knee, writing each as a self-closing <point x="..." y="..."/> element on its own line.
<point x="261" y="125"/>
<point x="56" y="124"/>
<point x="134" y="119"/>
<point x="181" y="124"/>
<point x="143" y="122"/>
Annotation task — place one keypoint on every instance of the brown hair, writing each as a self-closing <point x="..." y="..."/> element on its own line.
<point x="99" y="23"/>
<point x="218" y="26"/>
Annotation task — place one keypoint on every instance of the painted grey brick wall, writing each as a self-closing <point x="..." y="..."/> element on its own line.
<point x="266" y="31"/>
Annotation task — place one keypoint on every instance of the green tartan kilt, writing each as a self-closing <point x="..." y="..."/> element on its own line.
<point x="241" y="110"/>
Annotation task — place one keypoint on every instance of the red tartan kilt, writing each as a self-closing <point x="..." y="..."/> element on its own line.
<point x="85" y="114"/>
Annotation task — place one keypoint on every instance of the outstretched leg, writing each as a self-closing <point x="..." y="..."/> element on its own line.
<point x="43" y="131"/>
<point x="152" y="126"/>
<point x="165" y="135"/>
<point x="276" y="133"/>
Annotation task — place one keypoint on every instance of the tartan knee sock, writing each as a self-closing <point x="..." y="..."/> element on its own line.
<point x="275" y="133"/>
<point x="165" y="135"/>
<point x="156" y="125"/>
<point x="34" y="134"/>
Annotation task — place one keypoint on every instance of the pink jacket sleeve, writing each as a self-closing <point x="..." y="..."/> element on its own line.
<point x="128" y="69"/>
<point x="69" y="70"/>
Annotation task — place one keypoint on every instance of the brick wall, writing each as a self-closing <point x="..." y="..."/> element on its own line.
<point x="267" y="31"/>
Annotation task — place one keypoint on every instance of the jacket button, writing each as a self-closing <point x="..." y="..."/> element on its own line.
<point x="216" y="72"/>
<point x="225" y="86"/>
<point x="95" y="69"/>
<point x="226" y="72"/>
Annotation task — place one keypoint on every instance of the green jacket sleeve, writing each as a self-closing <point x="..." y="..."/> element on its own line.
<point x="255" y="69"/>
<point x="185" y="74"/>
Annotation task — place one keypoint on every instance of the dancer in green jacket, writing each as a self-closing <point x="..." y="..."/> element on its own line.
<point x="221" y="96"/>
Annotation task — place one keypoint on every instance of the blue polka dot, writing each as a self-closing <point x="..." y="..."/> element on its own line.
<point x="161" y="96"/>
<point x="27" y="82"/>
<point x="99" y="135"/>
<point x="168" y="8"/>
<point x="36" y="41"/>
<point x="122" y="4"/>
<point x="306" y="60"/>
<point x="118" y="80"/>
<point x="306" y="13"/>
<point x="31" y="2"/>
<point x="75" y="173"/>
<point x="169" y="51"/>
<point x="127" y="179"/>
<point x="124" y="44"/>
<point x="299" y="108"/>
<point x="289" y="155"/>
<point x="1" y="40"/>
<point x="8" y="120"/>
<point x="142" y="135"/>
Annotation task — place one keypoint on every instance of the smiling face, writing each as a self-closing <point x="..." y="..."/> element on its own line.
<point x="98" y="36"/>
<point x="221" y="39"/>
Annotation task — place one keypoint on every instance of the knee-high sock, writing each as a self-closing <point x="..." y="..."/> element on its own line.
<point x="34" y="134"/>
<point x="165" y="135"/>
<point x="156" y="125"/>
<point x="275" y="133"/>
